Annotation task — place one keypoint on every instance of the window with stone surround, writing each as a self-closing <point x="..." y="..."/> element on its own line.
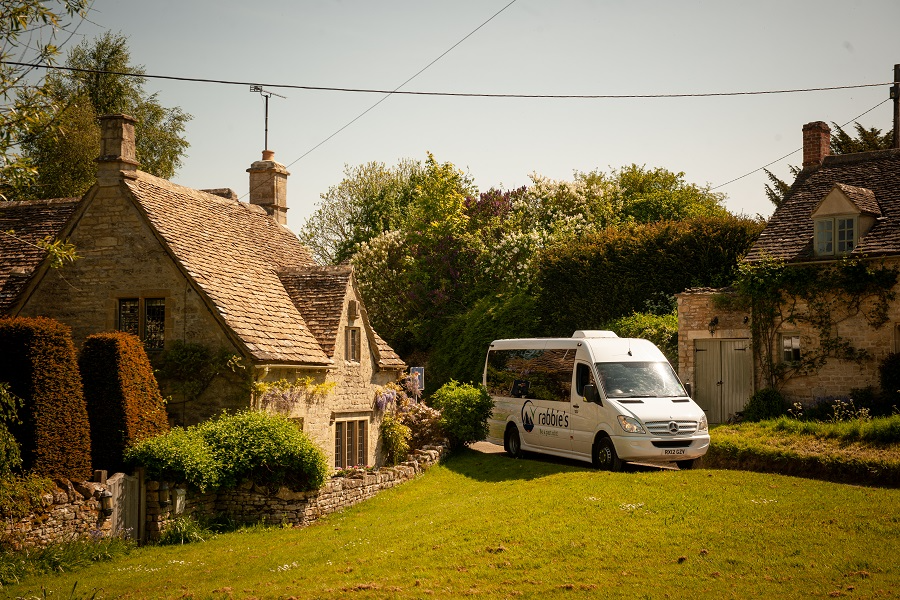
<point x="351" y="443"/>
<point x="790" y="347"/>
<point x="353" y="344"/>
<point x="145" y="318"/>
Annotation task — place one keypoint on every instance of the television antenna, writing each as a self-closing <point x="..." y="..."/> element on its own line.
<point x="265" y="94"/>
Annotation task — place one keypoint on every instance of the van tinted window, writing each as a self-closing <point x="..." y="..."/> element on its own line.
<point x="533" y="374"/>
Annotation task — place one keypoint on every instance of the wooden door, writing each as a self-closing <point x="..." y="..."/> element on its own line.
<point x="723" y="376"/>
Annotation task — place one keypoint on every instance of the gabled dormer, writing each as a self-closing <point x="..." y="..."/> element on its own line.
<point x="842" y="218"/>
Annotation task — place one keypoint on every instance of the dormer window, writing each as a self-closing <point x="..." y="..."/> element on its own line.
<point x="842" y="218"/>
<point x="835" y="235"/>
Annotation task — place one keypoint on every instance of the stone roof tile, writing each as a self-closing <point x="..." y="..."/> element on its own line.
<point x="234" y="252"/>
<point x="31" y="221"/>
<point x="789" y="234"/>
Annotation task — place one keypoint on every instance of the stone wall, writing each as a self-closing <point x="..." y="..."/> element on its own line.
<point x="71" y="510"/>
<point x="250" y="504"/>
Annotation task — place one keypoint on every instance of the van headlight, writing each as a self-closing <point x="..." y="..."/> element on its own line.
<point x="703" y="425"/>
<point x="630" y="424"/>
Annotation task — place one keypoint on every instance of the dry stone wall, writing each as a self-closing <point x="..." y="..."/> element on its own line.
<point x="70" y="511"/>
<point x="250" y="504"/>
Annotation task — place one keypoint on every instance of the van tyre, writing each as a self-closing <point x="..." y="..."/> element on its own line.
<point x="684" y="465"/>
<point x="512" y="444"/>
<point x="605" y="456"/>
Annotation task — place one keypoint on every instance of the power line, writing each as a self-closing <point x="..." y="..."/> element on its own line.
<point x="398" y="91"/>
<point x="857" y="117"/>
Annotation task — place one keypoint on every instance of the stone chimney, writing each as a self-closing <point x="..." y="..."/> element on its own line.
<point x="268" y="186"/>
<point x="816" y="143"/>
<point x="117" y="149"/>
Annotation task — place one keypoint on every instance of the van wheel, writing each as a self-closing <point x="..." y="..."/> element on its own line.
<point x="684" y="465"/>
<point x="512" y="444"/>
<point x="605" y="456"/>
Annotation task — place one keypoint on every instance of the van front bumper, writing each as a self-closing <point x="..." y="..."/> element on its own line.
<point x="637" y="448"/>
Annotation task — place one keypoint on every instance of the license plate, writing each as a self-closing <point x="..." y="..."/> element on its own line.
<point x="673" y="451"/>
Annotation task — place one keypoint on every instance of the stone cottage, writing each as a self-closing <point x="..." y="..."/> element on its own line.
<point x="178" y="265"/>
<point x="839" y="207"/>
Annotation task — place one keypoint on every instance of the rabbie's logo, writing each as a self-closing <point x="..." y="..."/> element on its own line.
<point x="528" y="416"/>
<point x="549" y="417"/>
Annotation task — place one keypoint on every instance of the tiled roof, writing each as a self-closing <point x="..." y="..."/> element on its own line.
<point x="32" y="221"/>
<point x="387" y="358"/>
<point x="863" y="198"/>
<point x="234" y="251"/>
<point x="789" y="233"/>
<point x="319" y="293"/>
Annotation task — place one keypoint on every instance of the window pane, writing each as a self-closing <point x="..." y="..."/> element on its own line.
<point x="128" y="315"/>
<point x="845" y="235"/>
<point x="825" y="237"/>
<point x="353" y="344"/>
<point x="154" y="323"/>
<point x="361" y="444"/>
<point x="338" y="445"/>
<point x="790" y="347"/>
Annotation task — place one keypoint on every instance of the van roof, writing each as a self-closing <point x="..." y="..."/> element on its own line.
<point x="602" y="349"/>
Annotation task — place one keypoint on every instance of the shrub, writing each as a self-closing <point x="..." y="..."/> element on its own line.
<point x="264" y="447"/>
<point x="179" y="455"/>
<point x="464" y="410"/>
<point x="40" y="366"/>
<point x="395" y="438"/>
<point x="21" y="495"/>
<point x="425" y="424"/>
<point x="123" y="400"/>
<point x="767" y="403"/>
<point x="662" y="330"/>
<point x="184" y="530"/>
<point x="598" y="277"/>
<point x="10" y="455"/>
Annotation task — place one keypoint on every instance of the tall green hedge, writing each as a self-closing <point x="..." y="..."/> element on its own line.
<point x="123" y="400"/>
<point x="40" y="366"/>
<point x="596" y="278"/>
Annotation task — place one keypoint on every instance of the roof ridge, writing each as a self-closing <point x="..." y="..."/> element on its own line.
<point x="842" y="159"/>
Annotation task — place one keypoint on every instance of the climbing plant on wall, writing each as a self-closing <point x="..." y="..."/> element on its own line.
<point x="821" y="297"/>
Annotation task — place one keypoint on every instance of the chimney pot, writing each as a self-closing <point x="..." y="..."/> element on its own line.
<point x="816" y="143"/>
<point x="268" y="154"/>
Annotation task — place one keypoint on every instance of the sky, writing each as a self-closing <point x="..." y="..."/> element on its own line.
<point x="560" y="47"/>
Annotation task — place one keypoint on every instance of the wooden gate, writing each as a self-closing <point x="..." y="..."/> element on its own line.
<point x="724" y="377"/>
<point x="126" y="517"/>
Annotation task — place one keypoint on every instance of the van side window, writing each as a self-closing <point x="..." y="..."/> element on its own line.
<point x="583" y="376"/>
<point x="533" y="374"/>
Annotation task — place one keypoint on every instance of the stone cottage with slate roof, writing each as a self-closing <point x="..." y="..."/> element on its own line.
<point x="839" y="206"/>
<point x="171" y="263"/>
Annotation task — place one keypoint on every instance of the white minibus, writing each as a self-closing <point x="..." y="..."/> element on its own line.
<point x="594" y="397"/>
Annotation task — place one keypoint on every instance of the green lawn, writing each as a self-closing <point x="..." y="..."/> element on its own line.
<point x="494" y="527"/>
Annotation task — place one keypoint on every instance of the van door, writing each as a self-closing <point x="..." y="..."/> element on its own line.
<point x="585" y="415"/>
<point x="547" y="386"/>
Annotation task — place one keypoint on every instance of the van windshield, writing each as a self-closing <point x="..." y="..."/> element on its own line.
<point x="639" y="380"/>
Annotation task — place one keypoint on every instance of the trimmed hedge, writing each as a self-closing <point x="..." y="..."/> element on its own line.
<point x="263" y="447"/>
<point x="123" y="400"/>
<point x="39" y="364"/>
<point x="599" y="277"/>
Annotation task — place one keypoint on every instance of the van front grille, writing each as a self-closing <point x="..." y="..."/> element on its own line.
<point x="665" y="427"/>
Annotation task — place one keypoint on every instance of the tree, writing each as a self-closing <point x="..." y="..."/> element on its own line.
<point x="64" y="155"/>
<point x="866" y="140"/>
<point x="28" y="34"/>
<point x="370" y="200"/>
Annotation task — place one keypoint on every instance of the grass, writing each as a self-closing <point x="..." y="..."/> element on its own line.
<point x="856" y="451"/>
<point x="489" y="526"/>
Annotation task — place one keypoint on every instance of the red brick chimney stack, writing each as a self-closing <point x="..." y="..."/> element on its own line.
<point x="816" y="143"/>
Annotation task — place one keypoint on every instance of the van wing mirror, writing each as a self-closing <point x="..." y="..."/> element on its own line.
<point x="687" y="388"/>
<point x="591" y="394"/>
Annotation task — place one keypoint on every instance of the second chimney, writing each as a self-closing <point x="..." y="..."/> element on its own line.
<point x="117" y="147"/>
<point x="816" y="143"/>
<point x="268" y="186"/>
